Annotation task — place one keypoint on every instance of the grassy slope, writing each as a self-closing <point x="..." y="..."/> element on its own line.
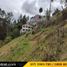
<point x="32" y="47"/>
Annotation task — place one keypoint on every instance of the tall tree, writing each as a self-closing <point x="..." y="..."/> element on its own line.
<point x="2" y="24"/>
<point x="8" y="18"/>
<point x="2" y="29"/>
<point x="21" y="21"/>
<point x="47" y="14"/>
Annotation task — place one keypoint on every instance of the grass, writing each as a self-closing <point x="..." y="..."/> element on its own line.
<point x="33" y="47"/>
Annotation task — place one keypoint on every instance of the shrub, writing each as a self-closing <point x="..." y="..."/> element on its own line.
<point x="25" y="43"/>
<point x="33" y="32"/>
<point x="7" y="39"/>
<point x="1" y="43"/>
<point x="15" y="33"/>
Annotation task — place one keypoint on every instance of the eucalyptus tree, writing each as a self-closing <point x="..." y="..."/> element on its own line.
<point x="2" y="24"/>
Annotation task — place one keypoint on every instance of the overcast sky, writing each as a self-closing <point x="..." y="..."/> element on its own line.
<point x="28" y="7"/>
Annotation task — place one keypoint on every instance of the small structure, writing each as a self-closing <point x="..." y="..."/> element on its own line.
<point x="32" y="24"/>
<point x="34" y="20"/>
<point x="26" y="28"/>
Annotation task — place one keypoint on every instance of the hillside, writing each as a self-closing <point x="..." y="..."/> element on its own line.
<point x="44" y="45"/>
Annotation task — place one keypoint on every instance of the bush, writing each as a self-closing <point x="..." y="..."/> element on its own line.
<point x="64" y="14"/>
<point x="42" y="29"/>
<point x="25" y="43"/>
<point x="1" y="43"/>
<point x="15" y="33"/>
<point x="7" y="39"/>
<point x="33" y="32"/>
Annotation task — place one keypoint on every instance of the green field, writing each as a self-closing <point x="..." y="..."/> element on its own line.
<point x="34" y="47"/>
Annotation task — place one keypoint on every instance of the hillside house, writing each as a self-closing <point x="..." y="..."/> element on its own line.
<point x="36" y="20"/>
<point x="32" y="23"/>
<point x="26" y="28"/>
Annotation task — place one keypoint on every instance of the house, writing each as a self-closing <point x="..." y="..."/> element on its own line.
<point x="32" y="23"/>
<point x="26" y="28"/>
<point x="34" y="20"/>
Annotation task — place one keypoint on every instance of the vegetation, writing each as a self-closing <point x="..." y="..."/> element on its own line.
<point x="10" y="28"/>
<point x="49" y="43"/>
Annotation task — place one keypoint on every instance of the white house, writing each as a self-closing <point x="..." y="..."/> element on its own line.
<point x="33" y="22"/>
<point x="26" y="28"/>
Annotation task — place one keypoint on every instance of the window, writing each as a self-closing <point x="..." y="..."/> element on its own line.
<point x="26" y="29"/>
<point x="23" y="29"/>
<point x="29" y="27"/>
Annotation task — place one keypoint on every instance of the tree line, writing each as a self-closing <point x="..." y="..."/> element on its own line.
<point x="10" y="27"/>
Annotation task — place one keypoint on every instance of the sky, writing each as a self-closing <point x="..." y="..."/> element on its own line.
<point x="27" y="7"/>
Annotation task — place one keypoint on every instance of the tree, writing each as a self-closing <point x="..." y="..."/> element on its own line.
<point x="2" y="13"/>
<point x="56" y="12"/>
<point x="2" y="24"/>
<point x="15" y="33"/>
<point x="5" y="23"/>
<point x="21" y="21"/>
<point x="47" y="14"/>
<point x="8" y="18"/>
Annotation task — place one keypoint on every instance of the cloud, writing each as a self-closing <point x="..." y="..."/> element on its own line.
<point x="30" y="7"/>
<point x="56" y="4"/>
<point x="12" y="6"/>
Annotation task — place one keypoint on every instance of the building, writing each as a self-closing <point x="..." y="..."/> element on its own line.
<point x="36" y="20"/>
<point x="26" y="28"/>
<point x="32" y="23"/>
